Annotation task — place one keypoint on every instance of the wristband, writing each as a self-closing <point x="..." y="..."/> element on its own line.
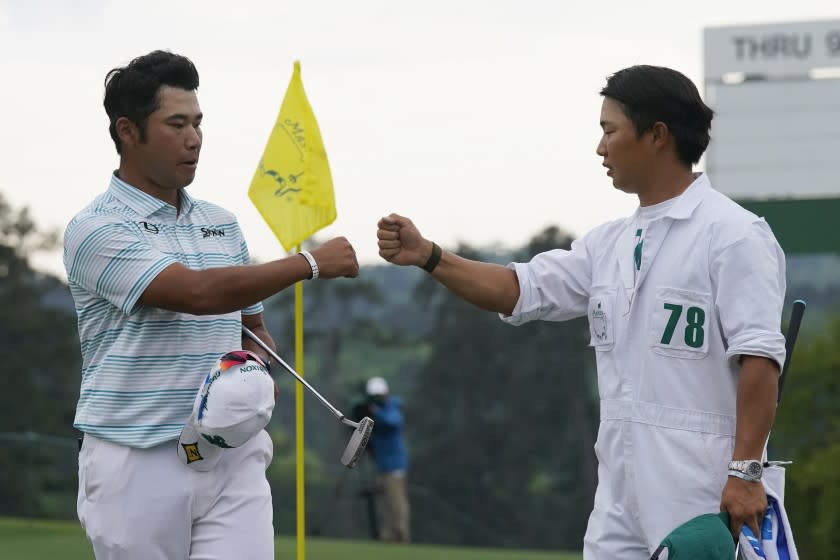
<point x="312" y="264"/>
<point x="434" y="259"/>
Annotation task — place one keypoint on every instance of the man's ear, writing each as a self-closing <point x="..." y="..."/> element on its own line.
<point x="660" y="135"/>
<point x="127" y="131"/>
<point x="660" y="132"/>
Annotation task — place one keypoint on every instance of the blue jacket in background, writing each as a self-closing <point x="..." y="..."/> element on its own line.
<point x="387" y="442"/>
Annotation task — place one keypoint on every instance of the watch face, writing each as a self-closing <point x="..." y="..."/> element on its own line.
<point x="754" y="469"/>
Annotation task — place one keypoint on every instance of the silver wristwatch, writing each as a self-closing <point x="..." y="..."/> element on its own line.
<point x="749" y="469"/>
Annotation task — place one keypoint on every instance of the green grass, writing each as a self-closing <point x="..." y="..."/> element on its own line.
<point x="22" y="539"/>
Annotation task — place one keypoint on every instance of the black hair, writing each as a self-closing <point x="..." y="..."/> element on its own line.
<point x="132" y="91"/>
<point x="651" y="94"/>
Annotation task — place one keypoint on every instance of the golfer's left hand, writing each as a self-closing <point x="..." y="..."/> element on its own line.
<point x="746" y="503"/>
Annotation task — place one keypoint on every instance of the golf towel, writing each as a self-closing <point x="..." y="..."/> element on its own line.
<point x="776" y="540"/>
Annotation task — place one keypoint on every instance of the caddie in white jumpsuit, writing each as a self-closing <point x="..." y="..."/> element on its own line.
<point x="667" y="337"/>
<point x="684" y="301"/>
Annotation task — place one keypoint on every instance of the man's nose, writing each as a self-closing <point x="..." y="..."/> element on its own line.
<point x="193" y="139"/>
<point x="601" y="149"/>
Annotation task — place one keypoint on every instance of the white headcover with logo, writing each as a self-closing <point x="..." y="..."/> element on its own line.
<point x="233" y="405"/>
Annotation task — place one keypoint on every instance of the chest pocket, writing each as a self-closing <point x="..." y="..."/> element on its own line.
<point x="680" y="323"/>
<point x="601" y="314"/>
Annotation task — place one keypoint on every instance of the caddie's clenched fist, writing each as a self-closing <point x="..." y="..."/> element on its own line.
<point x="336" y="258"/>
<point x="401" y="243"/>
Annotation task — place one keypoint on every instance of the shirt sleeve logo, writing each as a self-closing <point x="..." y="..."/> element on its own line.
<point x="599" y="323"/>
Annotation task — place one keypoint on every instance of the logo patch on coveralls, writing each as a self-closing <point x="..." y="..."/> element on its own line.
<point x="599" y="322"/>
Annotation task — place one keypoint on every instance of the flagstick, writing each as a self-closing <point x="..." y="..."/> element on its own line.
<point x="294" y="160"/>
<point x="299" y="447"/>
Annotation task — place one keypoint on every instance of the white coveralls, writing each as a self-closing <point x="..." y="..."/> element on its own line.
<point x="710" y="287"/>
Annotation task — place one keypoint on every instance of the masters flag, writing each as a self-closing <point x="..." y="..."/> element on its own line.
<point x="292" y="187"/>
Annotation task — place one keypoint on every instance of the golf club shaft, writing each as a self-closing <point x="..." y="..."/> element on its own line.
<point x="796" y="313"/>
<point x="302" y="381"/>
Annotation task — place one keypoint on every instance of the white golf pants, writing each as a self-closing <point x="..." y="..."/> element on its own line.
<point x="144" y="504"/>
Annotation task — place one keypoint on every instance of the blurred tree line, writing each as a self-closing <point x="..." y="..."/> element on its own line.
<point x="500" y="420"/>
<point x="39" y="376"/>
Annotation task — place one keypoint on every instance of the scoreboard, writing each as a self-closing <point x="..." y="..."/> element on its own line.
<point x="775" y="147"/>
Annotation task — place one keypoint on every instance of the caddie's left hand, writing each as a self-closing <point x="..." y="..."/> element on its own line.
<point x="746" y="503"/>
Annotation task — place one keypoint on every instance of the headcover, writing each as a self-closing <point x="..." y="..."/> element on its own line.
<point x="233" y="405"/>
<point x="705" y="537"/>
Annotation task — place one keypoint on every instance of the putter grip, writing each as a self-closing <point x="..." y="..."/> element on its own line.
<point x="796" y="314"/>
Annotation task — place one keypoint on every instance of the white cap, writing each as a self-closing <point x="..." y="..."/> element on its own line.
<point x="377" y="386"/>
<point x="233" y="405"/>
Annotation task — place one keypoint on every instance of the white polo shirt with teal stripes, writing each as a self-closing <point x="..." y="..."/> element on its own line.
<point x="142" y="366"/>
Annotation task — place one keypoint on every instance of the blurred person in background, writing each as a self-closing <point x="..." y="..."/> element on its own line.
<point x="387" y="446"/>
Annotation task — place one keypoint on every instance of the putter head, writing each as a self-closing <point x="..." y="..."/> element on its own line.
<point x="358" y="442"/>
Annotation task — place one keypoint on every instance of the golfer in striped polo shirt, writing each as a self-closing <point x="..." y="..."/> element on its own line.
<point x="162" y="286"/>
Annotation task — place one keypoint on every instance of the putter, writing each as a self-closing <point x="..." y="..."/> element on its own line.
<point x="363" y="428"/>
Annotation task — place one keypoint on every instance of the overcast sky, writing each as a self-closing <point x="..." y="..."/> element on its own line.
<point x="476" y="118"/>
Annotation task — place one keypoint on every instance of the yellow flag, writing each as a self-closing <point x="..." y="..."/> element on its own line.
<point x="292" y="187"/>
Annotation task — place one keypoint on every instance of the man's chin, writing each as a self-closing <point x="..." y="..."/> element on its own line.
<point x="185" y="179"/>
<point x="623" y="188"/>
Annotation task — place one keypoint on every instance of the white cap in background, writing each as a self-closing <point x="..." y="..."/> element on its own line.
<point x="376" y="386"/>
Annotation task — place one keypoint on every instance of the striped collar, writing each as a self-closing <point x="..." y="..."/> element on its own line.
<point x="145" y="204"/>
